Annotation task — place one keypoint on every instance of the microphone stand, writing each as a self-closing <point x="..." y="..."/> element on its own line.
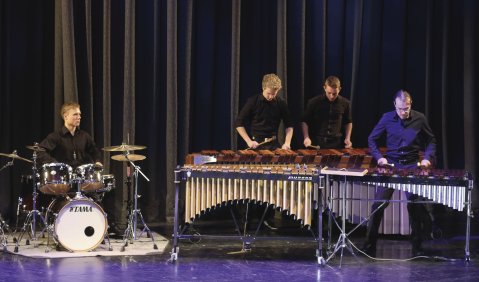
<point x="130" y="232"/>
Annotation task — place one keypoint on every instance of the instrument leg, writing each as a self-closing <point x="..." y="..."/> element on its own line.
<point x="343" y="240"/>
<point x="319" y="238"/>
<point x="467" y="257"/>
<point x="175" y="250"/>
<point x="262" y="219"/>
<point x="237" y="228"/>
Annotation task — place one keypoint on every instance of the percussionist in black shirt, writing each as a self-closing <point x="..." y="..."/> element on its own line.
<point x="70" y="144"/>
<point x="263" y="113"/>
<point x="325" y="116"/>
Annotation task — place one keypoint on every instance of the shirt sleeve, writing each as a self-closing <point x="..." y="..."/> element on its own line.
<point x="286" y="115"/>
<point x="375" y="135"/>
<point x="49" y="144"/>
<point x="92" y="149"/>
<point x="430" y="141"/>
<point x="308" y="113"/>
<point x="244" y="116"/>
<point x="347" y="116"/>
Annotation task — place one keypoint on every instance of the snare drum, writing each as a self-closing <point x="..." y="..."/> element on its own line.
<point x="55" y="178"/>
<point x="90" y="177"/>
<point x="80" y="224"/>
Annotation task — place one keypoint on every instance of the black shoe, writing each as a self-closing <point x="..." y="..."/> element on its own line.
<point x="417" y="251"/>
<point x="369" y="249"/>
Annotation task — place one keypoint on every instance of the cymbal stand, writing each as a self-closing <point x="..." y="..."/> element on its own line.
<point x="135" y="214"/>
<point x="31" y="219"/>
<point x="3" y="225"/>
<point x="3" y="237"/>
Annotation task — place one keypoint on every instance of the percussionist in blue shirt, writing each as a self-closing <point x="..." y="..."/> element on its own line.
<point x="407" y="132"/>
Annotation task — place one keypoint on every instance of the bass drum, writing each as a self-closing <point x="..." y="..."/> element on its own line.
<point x="80" y="224"/>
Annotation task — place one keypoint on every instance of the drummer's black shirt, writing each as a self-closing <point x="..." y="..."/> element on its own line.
<point x="74" y="150"/>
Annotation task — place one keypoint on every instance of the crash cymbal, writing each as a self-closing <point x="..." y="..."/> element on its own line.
<point x="15" y="156"/>
<point x="36" y="148"/>
<point x="124" y="148"/>
<point x="131" y="157"/>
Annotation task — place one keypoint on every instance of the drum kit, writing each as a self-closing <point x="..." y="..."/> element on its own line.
<point x="73" y="218"/>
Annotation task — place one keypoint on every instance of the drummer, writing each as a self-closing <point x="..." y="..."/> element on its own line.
<point x="70" y="144"/>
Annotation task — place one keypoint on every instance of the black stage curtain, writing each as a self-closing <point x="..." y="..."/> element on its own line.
<point x="171" y="75"/>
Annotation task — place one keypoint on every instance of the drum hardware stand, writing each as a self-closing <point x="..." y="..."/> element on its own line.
<point x="130" y="232"/>
<point x="3" y="225"/>
<point x="343" y="240"/>
<point x="31" y="218"/>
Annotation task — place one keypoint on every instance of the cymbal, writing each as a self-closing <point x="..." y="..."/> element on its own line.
<point x="36" y="148"/>
<point x="15" y="156"/>
<point x="123" y="148"/>
<point x="131" y="157"/>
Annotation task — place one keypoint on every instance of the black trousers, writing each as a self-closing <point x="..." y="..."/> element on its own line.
<point x="419" y="217"/>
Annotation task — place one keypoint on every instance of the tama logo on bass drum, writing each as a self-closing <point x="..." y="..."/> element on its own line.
<point x="81" y="209"/>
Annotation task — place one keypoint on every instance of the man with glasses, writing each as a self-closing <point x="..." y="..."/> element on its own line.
<point x="407" y="132"/>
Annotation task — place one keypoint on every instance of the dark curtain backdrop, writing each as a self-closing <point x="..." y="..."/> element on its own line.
<point x="171" y="75"/>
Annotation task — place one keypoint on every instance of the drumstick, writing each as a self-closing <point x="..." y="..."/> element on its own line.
<point x="314" y="147"/>
<point x="266" y="140"/>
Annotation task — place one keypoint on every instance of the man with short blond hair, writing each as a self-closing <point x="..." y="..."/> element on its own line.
<point x="264" y="113"/>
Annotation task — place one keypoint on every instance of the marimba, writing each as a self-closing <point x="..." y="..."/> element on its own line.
<point x="289" y="180"/>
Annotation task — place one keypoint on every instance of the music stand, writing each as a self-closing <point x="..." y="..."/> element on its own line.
<point x="343" y="240"/>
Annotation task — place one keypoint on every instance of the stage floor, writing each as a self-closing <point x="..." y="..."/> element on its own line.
<point x="220" y="260"/>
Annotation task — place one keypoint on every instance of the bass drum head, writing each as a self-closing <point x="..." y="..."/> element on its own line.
<point x="80" y="225"/>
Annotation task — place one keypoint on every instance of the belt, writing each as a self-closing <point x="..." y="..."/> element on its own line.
<point x="328" y="138"/>
<point x="406" y="161"/>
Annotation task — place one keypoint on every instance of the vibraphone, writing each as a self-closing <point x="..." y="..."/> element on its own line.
<point x="289" y="180"/>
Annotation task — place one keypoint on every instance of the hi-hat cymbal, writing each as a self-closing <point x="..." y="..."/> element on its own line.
<point x="36" y="148"/>
<point x="15" y="156"/>
<point x="131" y="157"/>
<point x="123" y="148"/>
